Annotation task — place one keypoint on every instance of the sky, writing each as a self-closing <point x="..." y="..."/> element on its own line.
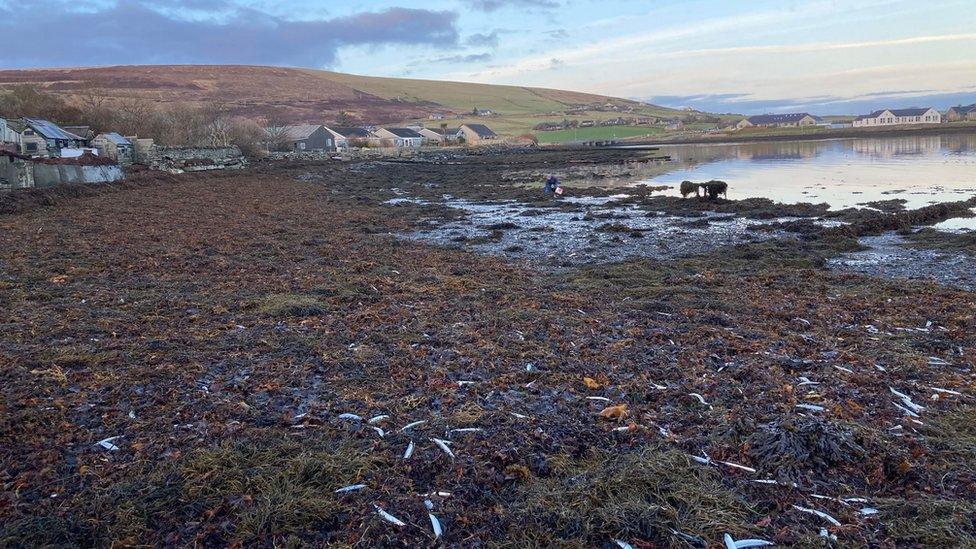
<point x="821" y="56"/>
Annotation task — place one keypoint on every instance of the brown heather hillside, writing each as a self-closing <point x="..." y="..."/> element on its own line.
<point x="305" y="95"/>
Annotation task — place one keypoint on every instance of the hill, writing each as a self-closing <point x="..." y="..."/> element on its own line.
<point x="305" y="95"/>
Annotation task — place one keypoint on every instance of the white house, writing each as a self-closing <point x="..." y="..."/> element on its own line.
<point x="9" y="136"/>
<point x="401" y="138"/>
<point x="897" y="117"/>
<point x="437" y="136"/>
<point x="788" y="120"/>
<point x="346" y="137"/>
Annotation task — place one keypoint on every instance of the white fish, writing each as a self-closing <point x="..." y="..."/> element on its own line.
<point x="702" y="460"/>
<point x="412" y="425"/>
<point x="353" y="417"/>
<point x="806" y="381"/>
<point x="699" y="397"/>
<point x="380" y="432"/>
<point x="946" y="391"/>
<point x="601" y="399"/>
<point x="107" y="443"/>
<point x="906" y="410"/>
<point x="868" y="511"/>
<point x="520" y="416"/>
<point x="435" y="525"/>
<point x="442" y="444"/>
<point x="622" y="544"/>
<point x="843" y="369"/>
<point x="388" y="517"/>
<point x="737" y="466"/>
<point x="463" y="383"/>
<point x="409" y="451"/>
<point x="658" y="387"/>
<point x="811" y="407"/>
<point x="376" y="419"/>
<point x="820" y="514"/>
<point x="468" y="430"/>
<point x="765" y="481"/>
<point x="907" y="401"/>
<point x="351" y="488"/>
<point x="745" y="543"/>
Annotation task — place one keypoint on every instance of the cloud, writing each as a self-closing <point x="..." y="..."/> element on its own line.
<point x="494" y="5"/>
<point x="132" y="32"/>
<point x="480" y="40"/>
<point x="473" y="58"/>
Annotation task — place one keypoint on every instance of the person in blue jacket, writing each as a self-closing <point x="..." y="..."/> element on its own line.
<point x="551" y="184"/>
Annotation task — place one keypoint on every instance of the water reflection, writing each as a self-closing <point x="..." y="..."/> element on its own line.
<point x="841" y="172"/>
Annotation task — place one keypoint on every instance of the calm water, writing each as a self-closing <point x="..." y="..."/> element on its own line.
<point x="841" y="172"/>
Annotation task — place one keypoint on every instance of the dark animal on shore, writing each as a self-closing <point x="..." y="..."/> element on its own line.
<point x="687" y="187"/>
<point x="714" y="188"/>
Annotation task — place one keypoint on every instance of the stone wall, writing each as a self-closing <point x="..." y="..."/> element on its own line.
<point x="194" y="159"/>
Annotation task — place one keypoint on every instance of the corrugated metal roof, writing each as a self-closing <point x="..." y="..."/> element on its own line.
<point x="116" y="138"/>
<point x="50" y="130"/>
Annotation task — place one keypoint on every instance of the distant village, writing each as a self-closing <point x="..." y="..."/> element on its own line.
<point x="35" y="152"/>
<point x="880" y="118"/>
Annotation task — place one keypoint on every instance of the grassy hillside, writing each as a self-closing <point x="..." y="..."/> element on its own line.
<point x="311" y="96"/>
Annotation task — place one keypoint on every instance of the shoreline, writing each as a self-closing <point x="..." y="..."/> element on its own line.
<point x="847" y="133"/>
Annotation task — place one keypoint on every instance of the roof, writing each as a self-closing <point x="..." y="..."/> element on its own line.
<point x="780" y="118"/>
<point x="914" y="111"/>
<point x="295" y="133"/>
<point x="115" y="138"/>
<point x="403" y="132"/>
<point x="350" y="132"/>
<point x="81" y="131"/>
<point x="481" y="130"/>
<point x="963" y="109"/>
<point x="50" y="130"/>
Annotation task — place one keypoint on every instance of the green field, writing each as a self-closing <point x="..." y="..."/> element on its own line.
<point x="598" y="133"/>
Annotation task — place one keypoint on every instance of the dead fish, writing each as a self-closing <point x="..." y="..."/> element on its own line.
<point x="601" y="399"/>
<point x="376" y="419"/>
<point x="907" y="401"/>
<point x="520" y="416"/>
<point x="351" y="488"/>
<point x="442" y="444"/>
<point x="820" y="514"/>
<point x="107" y="443"/>
<point x="699" y="397"/>
<point x="622" y="544"/>
<point x="388" y="517"/>
<point x="737" y="466"/>
<point x="409" y="451"/>
<point x="868" y="511"/>
<point x="806" y="381"/>
<point x="745" y="543"/>
<point x="380" y="432"/>
<point x="463" y="383"/>
<point x="811" y="407"/>
<point x="467" y="430"/>
<point x="412" y="425"/>
<point x="702" y="460"/>
<point x="435" y="525"/>
<point x="843" y="369"/>
<point x="658" y="387"/>
<point x="946" y="391"/>
<point x="352" y="417"/>
<point x="906" y="410"/>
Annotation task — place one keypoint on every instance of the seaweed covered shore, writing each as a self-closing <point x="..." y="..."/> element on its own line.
<point x="264" y="359"/>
